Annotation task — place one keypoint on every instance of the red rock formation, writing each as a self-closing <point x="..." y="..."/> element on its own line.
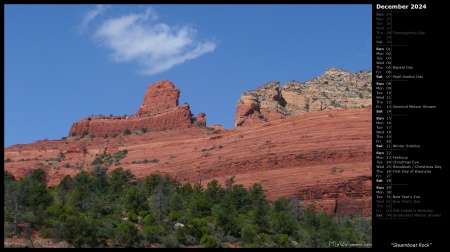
<point x="108" y="126"/>
<point x="160" y="96"/>
<point x="322" y="157"/>
<point x="158" y="111"/>
<point x="336" y="89"/>
<point x="201" y="118"/>
<point x="294" y="147"/>
<point x="217" y="127"/>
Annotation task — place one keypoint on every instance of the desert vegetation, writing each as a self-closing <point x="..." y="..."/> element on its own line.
<point x="111" y="208"/>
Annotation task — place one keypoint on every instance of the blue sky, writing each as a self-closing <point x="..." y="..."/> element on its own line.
<point x="65" y="62"/>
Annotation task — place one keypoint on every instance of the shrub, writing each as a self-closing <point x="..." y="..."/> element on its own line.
<point x="132" y="216"/>
<point x="174" y="215"/>
<point x="209" y="241"/>
<point x="126" y="132"/>
<point x="144" y="130"/>
<point x="170" y="241"/>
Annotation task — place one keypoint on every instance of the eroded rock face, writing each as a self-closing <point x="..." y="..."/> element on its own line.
<point x="109" y="126"/>
<point x="260" y="105"/>
<point x="323" y="157"/>
<point x="160" y="96"/>
<point x="201" y="118"/>
<point x="336" y="89"/>
<point x="159" y="111"/>
<point x="320" y="154"/>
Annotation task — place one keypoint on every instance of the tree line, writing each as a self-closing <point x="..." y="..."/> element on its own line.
<point x="114" y="209"/>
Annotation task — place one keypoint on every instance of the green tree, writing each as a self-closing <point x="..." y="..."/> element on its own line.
<point x="170" y="241"/>
<point x="120" y="178"/>
<point x="135" y="198"/>
<point x="214" y="191"/>
<point x="12" y="200"/>
<point x="38" y="175"/>
<point x="209" y="241"/>
<point x="79" y="231"/>
<point x="226" y="216"/>
<point x="197" y="227"/>
<point x="159" y="202"/>
<point x="200" y="207"/>
<point x="127" y="234"/>
<point x="320" y="228"/>
<point x="260" y="205"/>
<point x="239" y="196"/>
<point x="282" y="222"/>
<point x="249" y="232"/>
<point x="65" y="186"/>
<point x="229" y="183"/>
<point x="100" y="179"/>
<point x="153" y="234"/>
<point x="34" y="196"/>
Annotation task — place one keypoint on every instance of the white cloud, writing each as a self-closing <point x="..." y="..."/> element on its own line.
<point x="90" y="15"/>
<point x="156" y="47"/>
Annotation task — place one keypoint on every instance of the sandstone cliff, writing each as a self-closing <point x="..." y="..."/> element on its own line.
<point x="322" y="157"/>
<point x="320" y="154"/>
<point x="336" y="89"/>
<point x="159" y="111"/>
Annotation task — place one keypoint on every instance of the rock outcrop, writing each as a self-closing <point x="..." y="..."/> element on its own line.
<point x="160" y="96"/>
<point x="201" y="118"/>
<point x="336" y="89"/>
<point x="159" y="111"/>
<point x="322" y="157"/>
<point x="310" y="140"/>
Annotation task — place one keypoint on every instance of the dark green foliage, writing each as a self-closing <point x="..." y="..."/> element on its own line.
<point x="145" y="161"/>
<point x="170" y="241"/>
<point x="209" y="241"/>
<point x="120" y="178"/>
<point x="39" y="176"/>
<point x="127" y="234"/>
<point x="144" y="130"/>
<point x="107" y="159"/>
<point x="126" y="132"/>
<point x="260" y="205"/>
<point x="321" y="228"/>
<point x="226" y="216"/>
<point x="132" y="216"/>
<point x="214" y="191"/>
<point x="153" y="234"/>
<point x="197" y="227"/>
<point x="135" y="198"/>
<point x="174" y="215"/>
<point x="79" y="231"/>
<point x="100" y="209"/>
<point x="282" y="221"/>
<point x="249" y="233"/>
